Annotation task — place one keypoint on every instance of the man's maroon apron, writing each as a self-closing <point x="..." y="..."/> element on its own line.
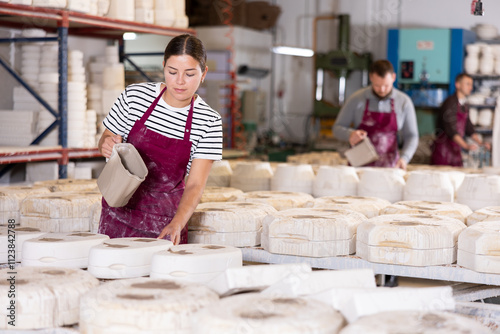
<point x="382" y="129"/>
<point x="444" y="150"/>
<point x="155" y="202"/>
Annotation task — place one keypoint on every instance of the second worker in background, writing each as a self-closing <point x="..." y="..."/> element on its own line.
<point x="454" y="125"/>
<point x="379" y="112"/>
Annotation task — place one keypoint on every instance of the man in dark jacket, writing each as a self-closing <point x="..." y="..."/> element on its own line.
<point x="453" y="125"/>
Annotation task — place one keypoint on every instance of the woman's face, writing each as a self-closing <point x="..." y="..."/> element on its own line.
<point x="183" y="76"/>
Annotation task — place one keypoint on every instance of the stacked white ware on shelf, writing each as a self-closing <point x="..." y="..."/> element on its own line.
<point x="165" y="12"/>
<point x="24" y="100"/>
<point x="236" y="224"/>
<point x="30" y="61"/>
<point x="49" y="91"/>
<point x="487" y="60"/>
<point x="62" y="4"/>
<point x="368" y="206"/>
<point x="293" y="178"/>
<point x="95" y="92"/>
<point x="479" y="190"/>
<point x="144" y="11"/>
<point x="412" y="240"/>
<point x="486" y="31"/>
<point x="478" y="247"/>
<point x="45" y="297"/>
<point x="398" y="321"/>
<point x="181" y="19"/>
<point x="220" y="174"/>
<point x="82" y="6"/>
<point x="113" y="80"/>
<point x="16" y="237"/>
<point x="11" y="198"/>
<point x="91" y="139"/>
<point x="94" y="7"/>
<point x="124" y="257"/>
<point x="256" y="313"/>
<point x="448" y="209"/>
<point x="143" y="305"/>
<point x="103" y="7"/>
<point x="94" y="88"/>
<point x="121" y="10"/>
<point x="489" y="213"/>
<point x="280" y="200"/>
<point x="311" y="232"/>
<point x="471" y="62"/>
<point x="20" y="2"/>
<point x="220" y="194"/>
<point x="58" y="212"/>
<point x="252" y="176"/>
<point x="69" y="250"/>
<point x="198" y="263"/>
<point x="78" y="135"/>
<point x="386" y="183"/>
<point x="20" y="131"/>
<point x="428" y="186"/>
<point x="335" y="181"/>
<point x="18" y="128"/>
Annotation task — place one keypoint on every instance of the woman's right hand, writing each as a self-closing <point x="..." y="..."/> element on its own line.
<point x="107" y="141"/>
<point x="356" y="136"/>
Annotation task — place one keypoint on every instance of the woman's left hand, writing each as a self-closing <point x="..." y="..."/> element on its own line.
<point x="174" y="231"/>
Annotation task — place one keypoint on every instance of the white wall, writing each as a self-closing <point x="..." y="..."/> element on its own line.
<point x="370" y="20"/>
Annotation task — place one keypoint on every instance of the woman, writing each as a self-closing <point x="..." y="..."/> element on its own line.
<point x="176" y="133"/>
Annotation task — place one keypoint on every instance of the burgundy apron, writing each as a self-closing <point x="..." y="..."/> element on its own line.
<point x="444" y="150"/>
<point x="382" y="129"/>
<point x="155" y="202"/>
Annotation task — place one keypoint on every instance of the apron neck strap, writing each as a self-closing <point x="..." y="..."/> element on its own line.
<point x="151" y="107"/>
<point x="189" y="121"/>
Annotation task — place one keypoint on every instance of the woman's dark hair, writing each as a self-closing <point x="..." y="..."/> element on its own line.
<point x="381" y="68"/>
<point x="187" y="45"/>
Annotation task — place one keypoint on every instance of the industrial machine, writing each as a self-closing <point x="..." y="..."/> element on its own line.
<point x="340" y="63"/>
<point x="427" y="61"/>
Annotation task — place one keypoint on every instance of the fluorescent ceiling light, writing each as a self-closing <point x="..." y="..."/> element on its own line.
<point x="292" y="51"/>
<point x="128" y="36"/>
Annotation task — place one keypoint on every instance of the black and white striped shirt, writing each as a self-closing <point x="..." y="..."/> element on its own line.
<point x="206" y="130"/>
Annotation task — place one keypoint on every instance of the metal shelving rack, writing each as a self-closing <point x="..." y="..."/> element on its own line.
<point x="63" y="23"/>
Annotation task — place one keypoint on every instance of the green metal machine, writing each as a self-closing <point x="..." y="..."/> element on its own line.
<point x="341" y="63"/>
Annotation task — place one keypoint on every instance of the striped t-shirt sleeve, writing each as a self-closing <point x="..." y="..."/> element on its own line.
<point x="117" y="119"/>
<point x="210" y="145"/>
